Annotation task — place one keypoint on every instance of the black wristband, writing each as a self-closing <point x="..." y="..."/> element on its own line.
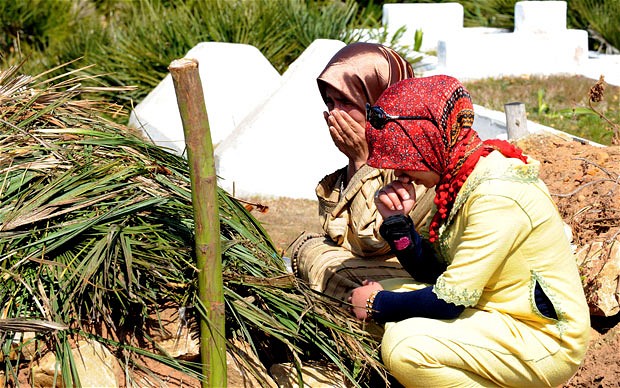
<point x="398" y="231"/>
<point x="416" y="255"/>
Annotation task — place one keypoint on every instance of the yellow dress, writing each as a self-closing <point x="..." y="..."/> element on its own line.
<point x="503" y="239"/>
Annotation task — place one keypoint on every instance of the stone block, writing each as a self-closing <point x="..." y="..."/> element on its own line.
<point x="236" y="79"/>
<point x="437" y="21"/>
<point x="599" y="265"/>
<point x="175" y="333"/>
<point x="540" y="16"/>
<point x="94" y="363"/>
<point x="480" y="54"/>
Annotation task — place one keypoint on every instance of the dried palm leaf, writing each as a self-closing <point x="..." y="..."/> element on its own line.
<point x="96" y="234"/>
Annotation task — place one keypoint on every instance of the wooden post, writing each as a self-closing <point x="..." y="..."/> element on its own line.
<point x="516" y="120"/>
<point x="190" y="99"/>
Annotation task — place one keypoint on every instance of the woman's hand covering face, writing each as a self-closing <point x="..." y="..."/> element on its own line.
<point x="348" y="135"/>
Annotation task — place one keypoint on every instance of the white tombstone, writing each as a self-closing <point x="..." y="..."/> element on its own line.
<point x="541" y="46"/>
<point x="603" y="64"/>
<point x="437" y="21"/>
<point x="284" y="148"/>
<point x="540" y="16"/>
<point x="236" y="78"/>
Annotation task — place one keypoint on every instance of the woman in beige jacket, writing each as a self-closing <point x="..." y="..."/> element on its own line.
<point x="351" y="248"/>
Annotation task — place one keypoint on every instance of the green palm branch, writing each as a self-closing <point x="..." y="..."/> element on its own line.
<point x="96" y="234"/>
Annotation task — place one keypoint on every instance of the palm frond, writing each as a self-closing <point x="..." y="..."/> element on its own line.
<point x="96" y="231"/>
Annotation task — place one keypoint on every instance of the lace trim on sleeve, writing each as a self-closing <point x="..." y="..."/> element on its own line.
<point x="456" y="295"/>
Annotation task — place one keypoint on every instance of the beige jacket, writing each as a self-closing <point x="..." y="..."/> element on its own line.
<point x="349" y="216"/>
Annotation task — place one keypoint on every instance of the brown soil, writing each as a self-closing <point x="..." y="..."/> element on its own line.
<point x="584" y="181"/>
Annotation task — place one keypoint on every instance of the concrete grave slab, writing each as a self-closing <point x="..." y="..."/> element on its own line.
<point x="437" y="21"/>
<point x="284" y="148"/>
<point x="540" y="16"/>
<point x="236" y="78"/>
<point x="605" y="65"/>
<point x="540" y="45"/>
<point x="497" y="54"/>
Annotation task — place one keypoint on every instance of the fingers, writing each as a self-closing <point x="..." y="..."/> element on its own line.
<point x="335" y="132"/>
<point x="348" y="135"/>
<point x="350" y="126"/>
<point x="395" y="198"/>
<point x="394" y="195"/>
<point x="345" y="126"/>
<point x="359" y="297"/>
<point x="358" y="308"/>
<point x="338" y="119"/>
<point x="336" y="137"/>
<point x="404" y="190"/>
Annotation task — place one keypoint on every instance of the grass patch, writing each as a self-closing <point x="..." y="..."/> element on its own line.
<point x="560" y="102"/>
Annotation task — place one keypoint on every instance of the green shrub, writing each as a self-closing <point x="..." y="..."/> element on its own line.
<point x="601" y="19"/>
<point x="32" y="24"/>
<point x="134" y="44"/>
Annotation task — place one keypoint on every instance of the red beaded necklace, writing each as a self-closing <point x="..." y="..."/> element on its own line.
<point x="450" y="184"/>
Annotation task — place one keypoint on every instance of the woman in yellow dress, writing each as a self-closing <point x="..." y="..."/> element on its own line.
<point x="502" y="303"/>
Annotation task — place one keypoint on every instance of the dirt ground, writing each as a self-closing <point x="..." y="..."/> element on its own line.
<point x="584" y="181"/>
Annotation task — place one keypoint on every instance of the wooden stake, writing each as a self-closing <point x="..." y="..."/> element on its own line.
<point x="516" y="120"/>
<point x="190" y="99"/>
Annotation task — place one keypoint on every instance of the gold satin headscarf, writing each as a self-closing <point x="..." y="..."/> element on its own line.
<point x="362" y="71"/>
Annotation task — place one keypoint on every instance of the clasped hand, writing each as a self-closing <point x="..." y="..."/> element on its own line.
<point x="360" y="295"/>
<point x="398" y="197"/>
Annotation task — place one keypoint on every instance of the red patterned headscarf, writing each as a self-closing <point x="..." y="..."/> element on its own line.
<point x="362" y="71"/>
<point x="441" y="140"/>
